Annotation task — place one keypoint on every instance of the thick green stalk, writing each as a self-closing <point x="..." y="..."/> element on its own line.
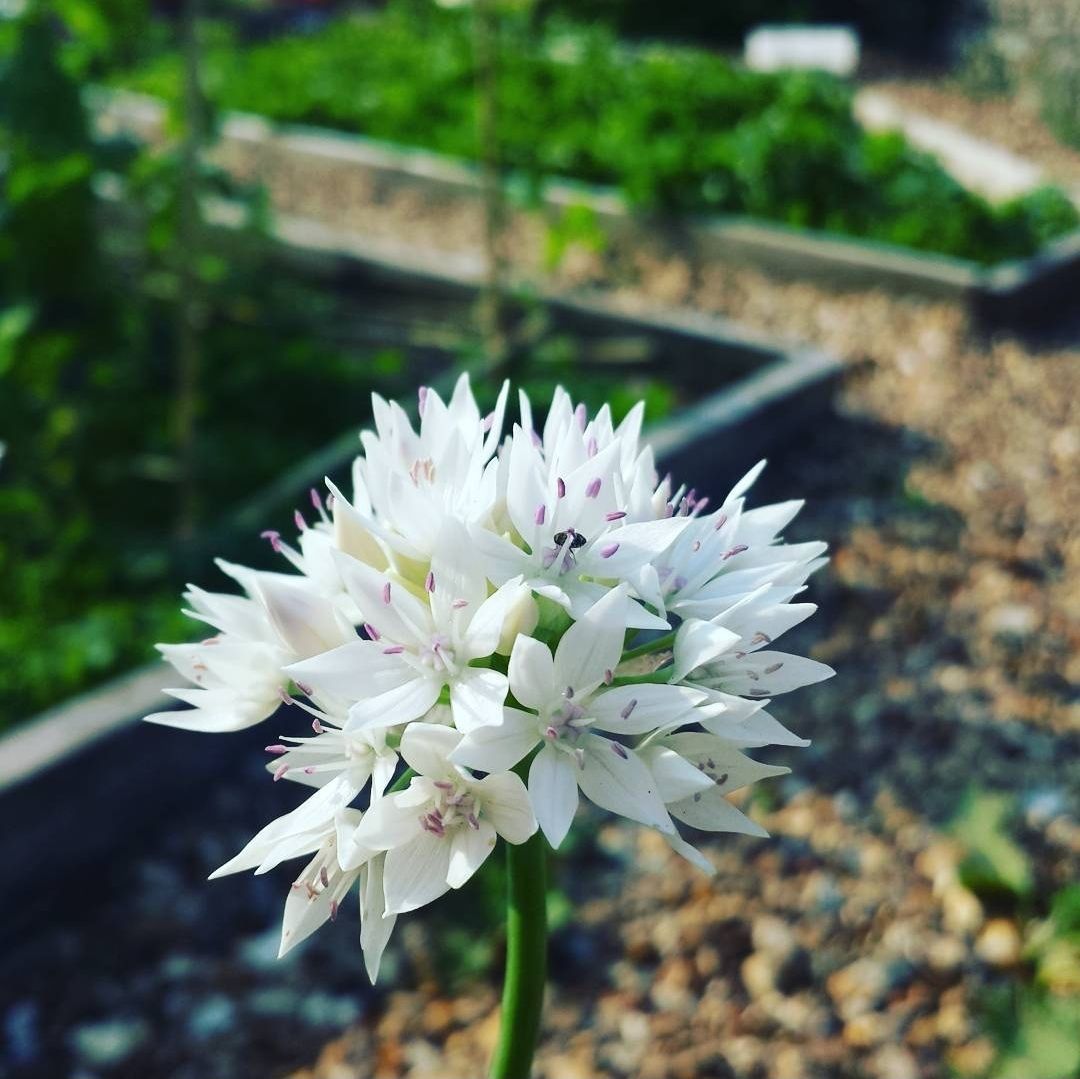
<point x="526" y="958"/>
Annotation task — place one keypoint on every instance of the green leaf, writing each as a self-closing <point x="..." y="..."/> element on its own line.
<point x="994" y="863"/>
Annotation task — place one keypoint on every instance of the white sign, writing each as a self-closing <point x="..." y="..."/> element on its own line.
<point x="822" y="48"/>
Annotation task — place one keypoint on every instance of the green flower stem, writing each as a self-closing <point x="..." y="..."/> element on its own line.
<point x="659" y="644"/>
<point x="526" y="958"/>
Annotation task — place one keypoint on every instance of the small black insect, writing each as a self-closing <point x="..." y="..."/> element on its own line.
<point x="576" y="539"/>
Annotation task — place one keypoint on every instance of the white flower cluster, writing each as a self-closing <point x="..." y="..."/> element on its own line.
<point x="486" y="606"/>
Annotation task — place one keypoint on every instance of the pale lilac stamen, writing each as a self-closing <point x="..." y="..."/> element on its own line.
<point x="737" y="549"/>
<point x="541" y="514"/>
<point x="298" y="520"/>
<point x="560" y="487"/>
<point x="720" y="521"/>
<point x="393" y="650"/>
<point x="593" y="489"/>
<point x="277" y="750"/>
<point x="316" y="501"/>
<point x="371" y="631"/>
<point x="609" y="550"/>
<point x="274" y="538"/>
<point x="615" y="515"/>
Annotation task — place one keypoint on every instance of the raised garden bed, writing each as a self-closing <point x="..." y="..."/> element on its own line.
<point x="297" y="163"/>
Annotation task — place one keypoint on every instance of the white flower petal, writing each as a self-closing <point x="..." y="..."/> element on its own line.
<point x="415" y="874"/>
<point x="637" y="709"/>
<point x="399" y="705"/>
<point x="505" y="802"/>
<point x="532" y="673"/>
<point x="676" y="778"/>
<point x="476" y="698"/>
<point x="498" y="748"/>
<point x="375" y="924"/>
<point x="553" y="792"/>
<point x="426" y="748"/>
<point x="592" y="646"/>
<point x="468" y="850"/>
<point x="699" y="642"/>
<point x="710" y="811"/>
<point x="620" y="783"/>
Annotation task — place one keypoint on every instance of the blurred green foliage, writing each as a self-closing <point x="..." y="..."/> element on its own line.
<point x="677" y="129"/>
<point x="1032" y="1014"/>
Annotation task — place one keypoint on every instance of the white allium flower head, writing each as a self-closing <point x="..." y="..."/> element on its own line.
<point x="503" y="623"/>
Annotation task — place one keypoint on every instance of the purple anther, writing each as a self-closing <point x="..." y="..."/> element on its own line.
<point x="393" y="650"/>
<point x="459" y="603"/>
<point x="593" y="489"/>
<point x="274" y="538"/>
<point x="695" y="546"/>
<point x="772" y="669"/>
<point x="281" y="771"/>
<point x="443" y="784"/>
<point x="720" y="521"/>
<point x="298" y="520"/>
<point x="304" y="688"/>
<point x="429" y="581"/>
<point x="541" y="514"/>
<point x="386" y="593"/>
<point x="324" y="877"/>
<point x="615" y="515"/>
<point x="560" y="487"/>
<point x="309" y="770"/>
<point x="371" y="631"/>
<point x="316" y="501"/>
<point x="316" y="726"/>
<point x="474" y="822"/>
<point x="551" y="733"/>
<point x="421" y="399"/>
<point x="737" y="549"/>
<point x="609" y="550"/>
<point x="609" y="677"/>
<point x="333" y="910"/>
<point x="591" y="447"/>
<point x="625" y="713"/>
<point x="620" y="750"/>
<point x="277" y="750"/>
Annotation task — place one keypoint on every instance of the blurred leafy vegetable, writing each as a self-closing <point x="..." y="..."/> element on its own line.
<point x="676" y="128"/>
<point x="994" y="862"/>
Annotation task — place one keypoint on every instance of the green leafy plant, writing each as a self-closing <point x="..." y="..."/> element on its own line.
<point x="676" y="128"/>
